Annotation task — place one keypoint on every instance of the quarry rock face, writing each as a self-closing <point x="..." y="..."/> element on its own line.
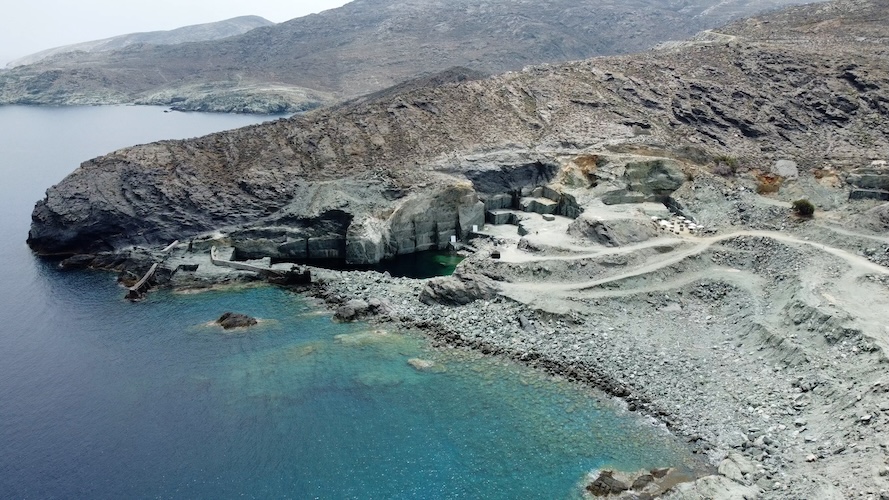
<point x="870" y="178"/>
<point x="650" y="180"/>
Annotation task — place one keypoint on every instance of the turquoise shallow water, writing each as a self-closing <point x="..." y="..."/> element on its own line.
<point x="151" y="400"/>
<point x="101" y="398"/>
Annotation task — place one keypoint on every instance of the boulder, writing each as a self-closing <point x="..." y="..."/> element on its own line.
<point x="231" y="320"/>
<point x="458" y="290"/>
<point x="786" y="168"/>
<point x="352" y="310"/>
<point x="876" y="219"/>
<point x="641" y="482"/>
<point x="379" y="307"/>
<point x="730" y="469"/>
<point x="526" y="324"/>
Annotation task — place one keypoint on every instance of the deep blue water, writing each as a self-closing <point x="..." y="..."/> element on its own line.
<point x="101" y="398"/>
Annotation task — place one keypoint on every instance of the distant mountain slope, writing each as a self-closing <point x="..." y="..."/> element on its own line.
<point x="193" y="33"/>
<point x="362" y="47"/>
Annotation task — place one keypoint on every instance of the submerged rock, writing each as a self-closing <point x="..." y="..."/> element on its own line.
<point x="421" y="364"/>
<point x="231" y="320"/>
<point x="606" y="485"/>
<point x="642" y="484"/>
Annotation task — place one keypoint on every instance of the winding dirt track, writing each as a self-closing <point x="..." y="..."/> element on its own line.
<point x="847" y="292"/>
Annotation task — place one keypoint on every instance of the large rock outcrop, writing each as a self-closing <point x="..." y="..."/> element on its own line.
<point x="459" y="289"/>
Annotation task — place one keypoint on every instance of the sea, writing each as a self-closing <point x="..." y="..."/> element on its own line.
<point x="103" y="398"/>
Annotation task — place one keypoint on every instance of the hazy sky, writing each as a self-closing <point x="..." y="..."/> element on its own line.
<point x="28" y="26"/>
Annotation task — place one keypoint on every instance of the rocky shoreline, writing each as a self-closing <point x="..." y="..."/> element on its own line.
<point x="759" y="340"/>
<point x="755" y="439"/>
<point x="731" y="338"/>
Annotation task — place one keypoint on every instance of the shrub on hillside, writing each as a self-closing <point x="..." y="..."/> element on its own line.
<point x="803" y="208"/>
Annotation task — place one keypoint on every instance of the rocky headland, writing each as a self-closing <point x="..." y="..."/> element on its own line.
<point x="362" y="47"/>
<point x="629" y="222"/>
<point x="194" y="33"/>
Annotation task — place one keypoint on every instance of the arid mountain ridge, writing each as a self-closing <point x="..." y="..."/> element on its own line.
<point x="194" y="33"/>
<point x="363" y="47"/>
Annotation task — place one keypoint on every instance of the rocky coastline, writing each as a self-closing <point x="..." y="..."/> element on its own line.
<point x="724" y="346"/>
<point x="630" y="223"/>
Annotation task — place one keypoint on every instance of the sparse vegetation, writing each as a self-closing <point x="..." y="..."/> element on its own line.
<point x="725" y="165"/>
<point x="803" y="208"/>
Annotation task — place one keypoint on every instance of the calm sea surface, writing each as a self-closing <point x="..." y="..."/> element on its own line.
<point x="100" y="398"/>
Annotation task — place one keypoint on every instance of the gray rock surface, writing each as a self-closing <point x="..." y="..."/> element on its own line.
<point x="352" y="310"/>
<point x="457" y="290"/>
<point x="869" y="178"/>
<point x="761" y="340"/>
<point x="876" y="219"/>
<point x="713" y="488"/>
<point x="787" y="169"/>
<point x="612" y="232"/>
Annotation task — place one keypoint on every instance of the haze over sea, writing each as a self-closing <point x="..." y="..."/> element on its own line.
<point x="101" y="398"/>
